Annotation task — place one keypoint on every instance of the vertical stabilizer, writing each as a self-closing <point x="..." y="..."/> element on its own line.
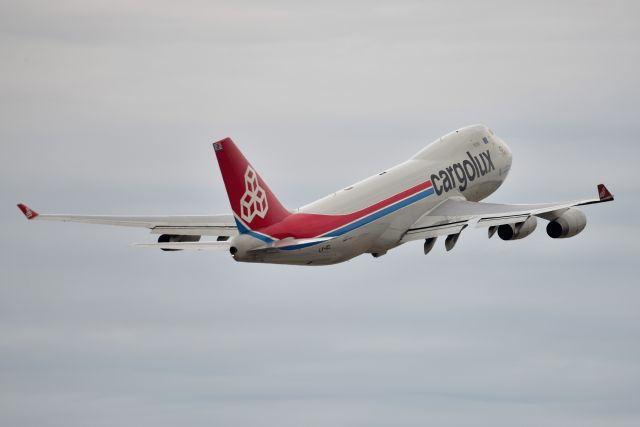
<point x="250" y="197"/>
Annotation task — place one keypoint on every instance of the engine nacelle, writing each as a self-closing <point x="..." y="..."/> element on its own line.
<point x="164" y="238"/>
<point x="518" y="230"/>
<point x="570" y="223"/>
<point x="241" y="246"/>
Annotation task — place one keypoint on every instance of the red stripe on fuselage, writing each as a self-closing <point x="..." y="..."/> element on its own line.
<point x="307" y="225"/>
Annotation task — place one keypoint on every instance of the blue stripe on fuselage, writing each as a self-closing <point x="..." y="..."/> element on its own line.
<point x="347" y="228"/>
<point x="379" y="214"/>
<point x="244" y="230"/>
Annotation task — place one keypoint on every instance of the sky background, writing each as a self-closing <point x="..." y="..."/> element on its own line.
<point x="111" y="107"/>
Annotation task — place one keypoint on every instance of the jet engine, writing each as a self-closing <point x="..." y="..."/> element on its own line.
<point x="519" y="230"/>
<point x="241" y="246"/>
<point x="571" y="222"/>
<point x="164" y="238"/>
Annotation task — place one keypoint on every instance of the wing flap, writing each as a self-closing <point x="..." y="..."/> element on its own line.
<point x="436" y="230"/>
<point x="198" y="230"/>
<point x="499" y="220"/>
<point x="185" y="246"/>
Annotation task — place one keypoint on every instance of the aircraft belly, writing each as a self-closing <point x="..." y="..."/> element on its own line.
<point x="399" y="223"/>
<point x="377" y="236"/>
<point x="340" y="249"/>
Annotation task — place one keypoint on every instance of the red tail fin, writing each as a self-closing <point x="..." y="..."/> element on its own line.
<point x="249" y="196"/>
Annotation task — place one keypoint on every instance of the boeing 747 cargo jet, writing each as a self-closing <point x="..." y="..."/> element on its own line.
<point x="435" y="193"/>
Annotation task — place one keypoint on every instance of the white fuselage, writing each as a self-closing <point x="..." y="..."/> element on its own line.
<point x="469" y="163"/>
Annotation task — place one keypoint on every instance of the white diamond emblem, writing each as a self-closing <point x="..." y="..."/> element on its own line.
<point x="254" y="199"/>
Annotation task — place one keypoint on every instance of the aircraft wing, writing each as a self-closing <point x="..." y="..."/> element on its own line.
<point x="454" y="215"/>
<point x="191" y="225"/>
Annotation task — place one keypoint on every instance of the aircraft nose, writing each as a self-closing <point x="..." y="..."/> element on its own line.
<point x="502" y="146"/>
<point x="505" y="152"/>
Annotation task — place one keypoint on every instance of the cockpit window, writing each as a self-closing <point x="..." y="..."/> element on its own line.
<point x="485" y="140"/>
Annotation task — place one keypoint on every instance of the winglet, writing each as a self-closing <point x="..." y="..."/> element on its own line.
<point x="27" y="211"/>
<point x="604" y="194"/>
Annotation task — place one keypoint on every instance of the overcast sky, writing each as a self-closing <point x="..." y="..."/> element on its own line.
<point x="111" y="107"/>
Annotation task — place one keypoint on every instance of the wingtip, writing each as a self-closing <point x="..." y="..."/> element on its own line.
<point x="27" y="211"/>
<point x="604" y="194"/>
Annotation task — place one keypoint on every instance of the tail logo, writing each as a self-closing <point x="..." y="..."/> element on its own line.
<point x="254" y="199"/>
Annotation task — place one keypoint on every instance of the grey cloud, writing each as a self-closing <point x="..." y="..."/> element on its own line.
<point x="111" y="108"/>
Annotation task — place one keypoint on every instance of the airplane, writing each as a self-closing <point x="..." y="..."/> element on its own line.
<point x="435" y="193"/>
